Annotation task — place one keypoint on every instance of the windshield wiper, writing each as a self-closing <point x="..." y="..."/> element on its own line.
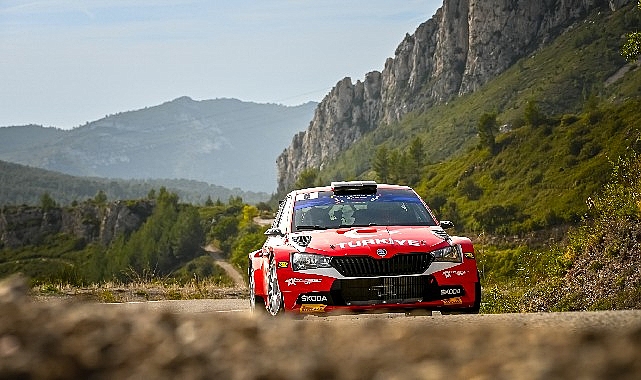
<point x="356" y="225"/>
<point x="308" y="227"/>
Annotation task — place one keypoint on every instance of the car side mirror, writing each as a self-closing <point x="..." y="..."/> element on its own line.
<point x="274" y="232"/>
<point x="446" y="224"/>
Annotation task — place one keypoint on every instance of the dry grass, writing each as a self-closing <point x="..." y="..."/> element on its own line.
<point x="152" y="290"/>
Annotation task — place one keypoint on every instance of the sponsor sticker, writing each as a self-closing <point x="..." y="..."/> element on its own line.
<point x="283" y="264"/>
<point x="450" y="273"/>
<point x="453" y="301"/>
<point x="390" y="241"/>
<point x="306" y="196"/>
<point x="306" y="281"/>
<point x="312" y="308"/>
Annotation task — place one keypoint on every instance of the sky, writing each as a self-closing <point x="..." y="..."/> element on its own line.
<point x="67" y="62"/>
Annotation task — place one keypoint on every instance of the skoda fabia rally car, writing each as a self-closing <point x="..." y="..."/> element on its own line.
<point x="361" y="246"/>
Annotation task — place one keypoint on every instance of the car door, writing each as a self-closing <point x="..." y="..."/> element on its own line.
<point x="276" y="237"/>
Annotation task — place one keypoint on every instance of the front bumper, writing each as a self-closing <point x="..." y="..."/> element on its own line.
<point x="452" y="289"/>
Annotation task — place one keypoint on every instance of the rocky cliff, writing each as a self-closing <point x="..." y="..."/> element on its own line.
<point x="462" y="47"/>
<point x="24" y="225"/>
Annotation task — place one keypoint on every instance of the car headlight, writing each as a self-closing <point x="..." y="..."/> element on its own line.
<point x="303" y="261"/>
<point x="451" y="254"/>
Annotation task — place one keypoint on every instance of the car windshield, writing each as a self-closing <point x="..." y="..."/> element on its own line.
<point x="387" y="207"/>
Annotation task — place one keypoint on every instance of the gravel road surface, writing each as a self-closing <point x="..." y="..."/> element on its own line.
<point x="209" y="339"/>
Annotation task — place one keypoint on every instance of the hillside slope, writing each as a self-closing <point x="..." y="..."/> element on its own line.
<point x="584" y="97"/>
<point x="456" y="53"/>
<point x="21" y="184"/>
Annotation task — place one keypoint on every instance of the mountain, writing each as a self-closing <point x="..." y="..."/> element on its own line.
<point x="465" y="45"/>
<point x="26" y="185"/>
<point x="225" y="142"/>
<point x="562" y="117"/>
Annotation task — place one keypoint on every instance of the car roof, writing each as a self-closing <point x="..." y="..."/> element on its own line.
<point x="330" y="187"/>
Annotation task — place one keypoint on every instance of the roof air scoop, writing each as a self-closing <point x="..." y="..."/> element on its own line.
<point x="354" y="187"/>
<point x="302" y="240"/>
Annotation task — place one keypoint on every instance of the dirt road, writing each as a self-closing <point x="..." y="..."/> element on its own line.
<point x="625" y="319"/>
<point x="231" y="271"/>
<point x="207" y="340"/>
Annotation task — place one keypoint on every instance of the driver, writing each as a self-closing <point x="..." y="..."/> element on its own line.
<point x="315" y="216"/>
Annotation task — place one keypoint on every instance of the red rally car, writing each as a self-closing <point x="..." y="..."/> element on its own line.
<point x="361" y="246"/>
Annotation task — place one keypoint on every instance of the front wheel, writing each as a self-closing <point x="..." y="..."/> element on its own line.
<point x="274" y="304"/>
<point x="477" y="300"/>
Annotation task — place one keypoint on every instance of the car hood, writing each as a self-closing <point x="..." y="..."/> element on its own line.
<point x="370" y="240"/>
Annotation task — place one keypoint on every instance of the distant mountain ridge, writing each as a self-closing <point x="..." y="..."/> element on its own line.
<point x="24" y="185"/>
<point x="226" y="142"/>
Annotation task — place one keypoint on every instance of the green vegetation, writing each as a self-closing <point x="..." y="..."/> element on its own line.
<point x="606" y="248"/>
<point x="170" y="236"/>
<point x="233" y="230"/>
<point x="166" y="248"/>
<point x="540" y="176"/>
<point x="631" y="49"/>
<point x="596" y="267"/>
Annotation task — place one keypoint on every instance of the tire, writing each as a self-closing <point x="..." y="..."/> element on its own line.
<point x="253" y="298"/>
<point x="274" y="301"/>
<point x="477" y="300"/>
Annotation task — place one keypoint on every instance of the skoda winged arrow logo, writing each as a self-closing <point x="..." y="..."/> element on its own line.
<point x="381" y="252"/>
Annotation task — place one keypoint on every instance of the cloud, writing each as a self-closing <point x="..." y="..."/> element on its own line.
<point x="40" y="8"/>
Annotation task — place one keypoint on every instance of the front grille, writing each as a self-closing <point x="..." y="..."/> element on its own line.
<point x="366" y="266"/>
<point x="383" y="290"/>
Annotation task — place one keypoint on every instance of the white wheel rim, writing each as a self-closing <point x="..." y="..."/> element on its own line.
<point x="274" y="301"/>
